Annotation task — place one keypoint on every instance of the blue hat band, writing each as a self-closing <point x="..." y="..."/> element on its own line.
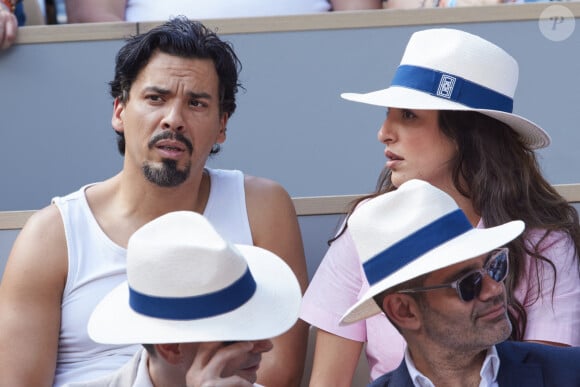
<point x="421" y="241"/>
<point x="451" y="87"/>
<point x="190" y="308"/>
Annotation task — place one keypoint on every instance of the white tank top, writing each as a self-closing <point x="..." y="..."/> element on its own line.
<point x="158" y="10"/>
<point x="96" y="265"/>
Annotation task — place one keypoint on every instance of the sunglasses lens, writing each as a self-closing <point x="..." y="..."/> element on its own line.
<point x="470" y="286"/>
<point x="497" y="268"/>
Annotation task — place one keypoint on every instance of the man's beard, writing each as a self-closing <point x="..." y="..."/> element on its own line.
<point x="166" y="175"/>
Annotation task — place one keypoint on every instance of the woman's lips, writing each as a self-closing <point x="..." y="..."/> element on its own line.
<point x="393" y="160"/>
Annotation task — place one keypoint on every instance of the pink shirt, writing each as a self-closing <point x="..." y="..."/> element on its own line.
<point x="556" y="319"/>
<point x="339" y="281"/>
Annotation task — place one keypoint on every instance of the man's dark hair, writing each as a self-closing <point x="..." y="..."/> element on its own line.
<point x="184" y="38"/>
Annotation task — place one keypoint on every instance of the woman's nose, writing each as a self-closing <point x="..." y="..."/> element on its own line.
<point x="384" y="134"/>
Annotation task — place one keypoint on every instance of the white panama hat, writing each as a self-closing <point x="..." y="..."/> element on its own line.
<point x="448" y="69"/>
<point x="185" y="283"/>
<point x="414" y="230"/>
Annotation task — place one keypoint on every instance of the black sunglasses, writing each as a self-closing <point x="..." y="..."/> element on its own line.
<point x="469" y="285"/>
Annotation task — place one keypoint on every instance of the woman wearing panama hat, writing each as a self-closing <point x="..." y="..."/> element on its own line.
<point x="450" y="122"/>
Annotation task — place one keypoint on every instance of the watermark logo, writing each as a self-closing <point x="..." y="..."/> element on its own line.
<point x="446" y="86"/>
<point x="557" y="23"/>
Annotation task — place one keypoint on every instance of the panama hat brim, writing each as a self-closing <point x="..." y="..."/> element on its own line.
<point x="469" y="245"/>
<point x="531" y="134"/>
<point x="271" y="311"/>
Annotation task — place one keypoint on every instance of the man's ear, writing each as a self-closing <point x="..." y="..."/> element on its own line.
<point x="117" y="119"/>
<point x="402" y="310"/>
<point x="170" y="352"/>
<point x="221" y="137"/>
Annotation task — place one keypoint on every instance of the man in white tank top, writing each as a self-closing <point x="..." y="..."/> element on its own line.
<point x="158" y="10"/>
<point x="174" y="91"/>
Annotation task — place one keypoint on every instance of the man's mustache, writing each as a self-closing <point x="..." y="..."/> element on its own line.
<point x="168" y="135"/>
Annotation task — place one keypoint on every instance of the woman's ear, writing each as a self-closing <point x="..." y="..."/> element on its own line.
<point x="403" y="311"/>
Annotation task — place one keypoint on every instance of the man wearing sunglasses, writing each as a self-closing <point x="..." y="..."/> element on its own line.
<point x="440" y="282"/>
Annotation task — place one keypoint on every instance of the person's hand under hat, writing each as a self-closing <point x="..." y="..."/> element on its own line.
<point x="218" y="364"/>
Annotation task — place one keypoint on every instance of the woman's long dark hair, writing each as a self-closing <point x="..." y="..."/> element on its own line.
<point x="501" y="176"/>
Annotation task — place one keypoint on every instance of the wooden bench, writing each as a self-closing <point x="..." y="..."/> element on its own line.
<point x="305" y="206"/>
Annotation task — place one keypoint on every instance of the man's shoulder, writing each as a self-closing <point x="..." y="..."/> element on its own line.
<point x="50" y="214"/>
<point x="559" y="365"/>
<point x="48" y="223"/>
<point x="539" y="350"/>
<point x="72" y="196"/>
<point x="223" y="173"/>
<point x="47" y="219"/>
<point x="392" y="379"/>
<point x="267" y="198"/>
<point x="252" y="184"/>
<point x="399" y="377"/>
<point x="383" y="381"/>
<point x="262" y="186"/>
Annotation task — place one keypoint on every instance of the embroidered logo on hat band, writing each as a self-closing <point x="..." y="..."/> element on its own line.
<point x="446" y="84"/>
<point x="190" y="308"/>
<point x="418" y="243"/>
<point x="451" y="87"/>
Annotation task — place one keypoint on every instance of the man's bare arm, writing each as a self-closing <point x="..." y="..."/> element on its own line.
<point x="30" y="302"/>
<point x="275" y="227"/>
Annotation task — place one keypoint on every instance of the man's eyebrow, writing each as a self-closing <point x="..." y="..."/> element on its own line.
<point x="157" y="90"/>
<point x="191" y="94"/>
<point x="201" y="95"/>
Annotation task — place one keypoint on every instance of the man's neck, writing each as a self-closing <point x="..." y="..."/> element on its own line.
<point x="123" y="204"/>
<point x="163" y="374"/>
<point x="140" y="196"/>
<point x="448" y="368"/>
